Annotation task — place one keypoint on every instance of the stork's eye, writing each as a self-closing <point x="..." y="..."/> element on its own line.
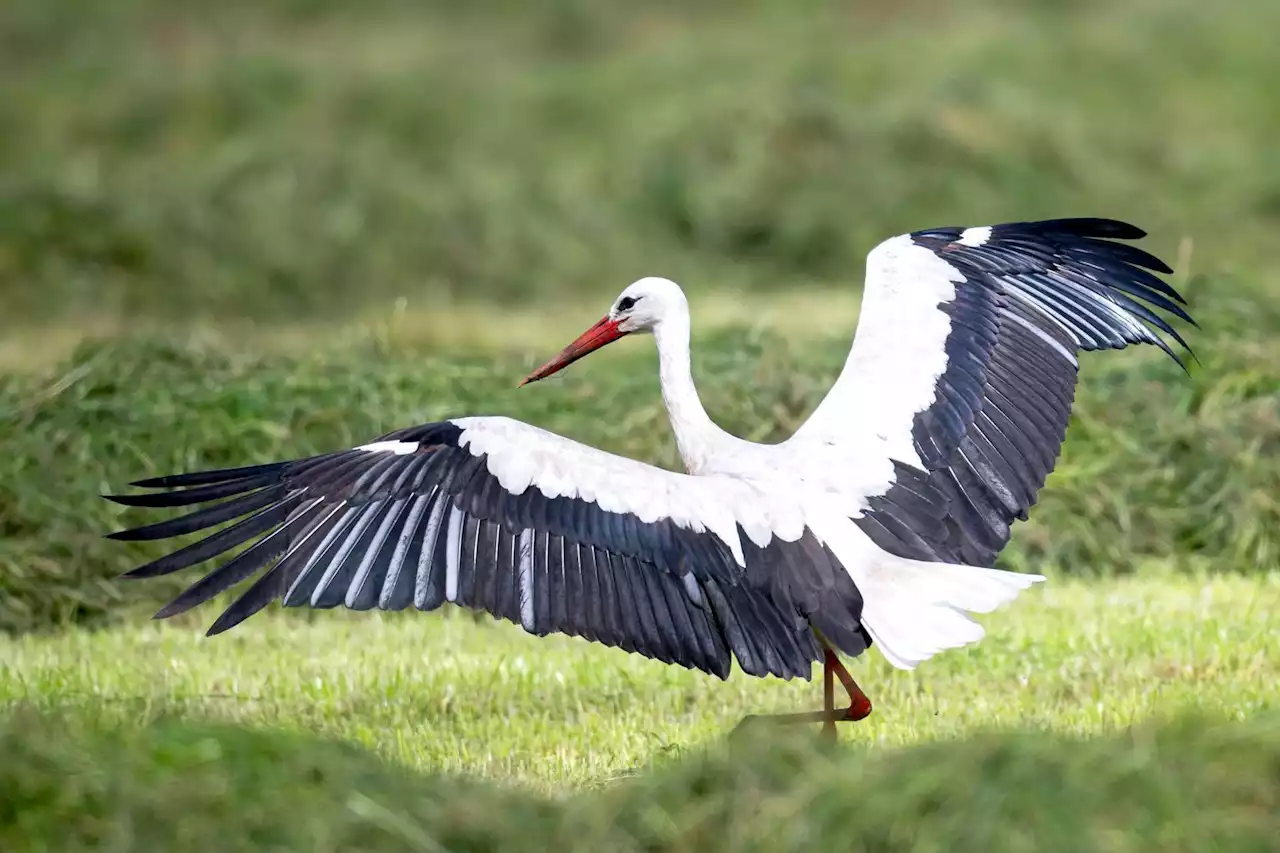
<point x="626" y="303"/>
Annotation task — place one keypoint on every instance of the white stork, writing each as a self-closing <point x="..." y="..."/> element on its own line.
<point x="875" y="524"/>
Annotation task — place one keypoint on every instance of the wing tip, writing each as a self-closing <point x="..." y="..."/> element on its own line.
<point x="225" y="622"/>
<point x="139" y="573"/>
<point x="1090" y="226"/>
<point x="210" y="476"/>
<point x="164" y="612"/>
<point x="131" y="534"/>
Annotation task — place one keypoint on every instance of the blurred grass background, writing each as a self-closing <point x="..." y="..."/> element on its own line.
<point x="236" y="232"/>
<point x="306" y="158"/>
<point x="244" y="231"/>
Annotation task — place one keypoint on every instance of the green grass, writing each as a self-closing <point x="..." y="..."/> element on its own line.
<point x="1158" y="469"/>
<point x="238" y="232"/>
<point x="290" y="226"/>
<point x="1117" y="715"/>
<point x="450" y="694"/>
<point x="305" y="159"/>
<point x="74" y="783"/>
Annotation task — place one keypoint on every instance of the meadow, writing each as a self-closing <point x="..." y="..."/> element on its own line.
<point x="245" y="232"/>
<point x="1116" y="716"/>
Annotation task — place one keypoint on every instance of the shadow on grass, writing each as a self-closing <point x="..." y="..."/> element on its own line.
<point x="69" y="783"/>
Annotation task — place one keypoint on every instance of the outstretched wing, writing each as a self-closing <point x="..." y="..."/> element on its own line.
<point x="953" y="403"/>
<point x="495" y="515"/>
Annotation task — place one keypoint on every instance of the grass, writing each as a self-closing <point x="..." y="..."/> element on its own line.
<point x="475" y="329"/>
<point x="450" y="694"/>
<point x="1158" y="469"/>
<point x="1125" y="715"/>
<point x="1195" y="784"/>
<point x="171" y="161"/>
<point x="238" y="232"/>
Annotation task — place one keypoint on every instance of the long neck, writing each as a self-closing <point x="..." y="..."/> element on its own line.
<point x="696" y="435"/>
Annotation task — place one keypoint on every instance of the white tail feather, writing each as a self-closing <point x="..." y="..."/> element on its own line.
<point x="914" y="610"/>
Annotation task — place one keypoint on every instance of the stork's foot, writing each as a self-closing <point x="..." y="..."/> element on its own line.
<point x="859" y="705"/>
<point x="852" y="714"/>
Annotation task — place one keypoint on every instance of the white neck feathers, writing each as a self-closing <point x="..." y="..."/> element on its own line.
<point x="697" y="437"/>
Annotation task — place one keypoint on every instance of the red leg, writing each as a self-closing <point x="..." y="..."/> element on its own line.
<point x="828" y="696"/>
<point x="859" y="705"/>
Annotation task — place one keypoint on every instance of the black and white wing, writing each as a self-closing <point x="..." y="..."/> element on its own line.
<point x="954" y="401"/>
<point x="495" y="515"/>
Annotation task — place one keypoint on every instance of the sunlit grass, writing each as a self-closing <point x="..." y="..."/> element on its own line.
<point x="448" y="693"/>
<point x="475" y="326"/>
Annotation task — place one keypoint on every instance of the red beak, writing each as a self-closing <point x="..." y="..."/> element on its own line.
<point x="604" y="332"/>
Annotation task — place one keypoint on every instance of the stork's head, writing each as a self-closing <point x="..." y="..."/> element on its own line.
<point x="642" y="307"/>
